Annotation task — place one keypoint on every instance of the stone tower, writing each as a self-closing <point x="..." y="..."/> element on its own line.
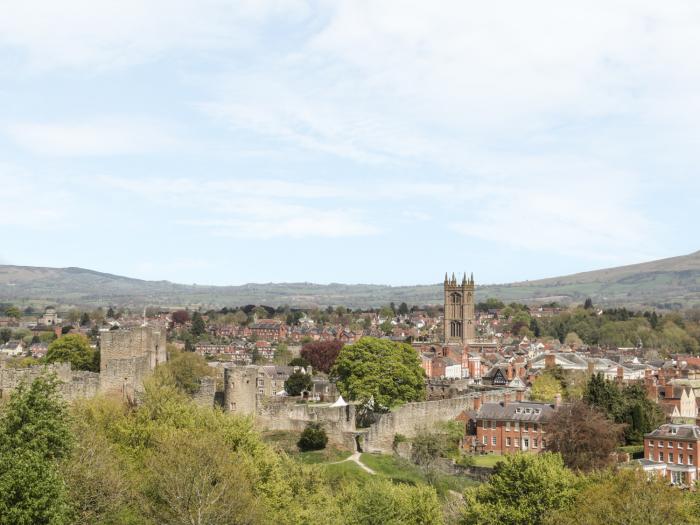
<point x="459" y="325"/>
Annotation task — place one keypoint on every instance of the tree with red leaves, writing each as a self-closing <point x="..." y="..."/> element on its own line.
<point x="322" y="354"/>
<point x="180" y="317"/>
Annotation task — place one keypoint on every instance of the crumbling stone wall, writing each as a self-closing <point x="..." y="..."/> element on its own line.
<point x="74" y="384"/>
<point x="207" y="392"/>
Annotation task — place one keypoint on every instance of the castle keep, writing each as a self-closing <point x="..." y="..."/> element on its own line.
<point x="459" y="324"/>
<point x="127" y="357"/>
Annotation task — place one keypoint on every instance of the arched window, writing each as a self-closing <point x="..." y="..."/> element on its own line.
<point x="455" y="329"/>
<point x="455" y="298"/>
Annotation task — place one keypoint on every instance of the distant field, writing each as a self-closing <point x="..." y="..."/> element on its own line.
<point x="666" y="283"/>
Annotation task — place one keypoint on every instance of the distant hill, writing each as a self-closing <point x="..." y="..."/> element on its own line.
<point x="666" y="283"/>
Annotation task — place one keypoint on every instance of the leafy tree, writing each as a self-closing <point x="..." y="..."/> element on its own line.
<point x="186" y="370"/>
<point x="381" y="502"/>
<point x="282" y="354"/>
<point x="5" y="335"/>
<point x="34" y="434"/>
<point x="386" y="327"/>
<point x="429" y="445"/>
<point x="627" y="497"/>
<point x="523" y="490"/>
<point x="193" y="478"/>
<point x="403" y="309"/>
<point x="110" y="313"/>
<point x="588" y="304"/>
<point x="545" y="387"/>
<point x="84" y="319"/>
<point x="74" y="349"/>
<point x="382" y="370"/>
<point x="198" y="326"/>
<point x="297" y="383"/>
<point x="13" y="312"/>
<point x="573" y="340"/>
<point x="583" y="436"/>
<point x="299" y="361"/>
<point x="629" y="405"/>
<point x="321" y="355"/>
<point x="180" y="316"/>
<point x="312" y="438"/>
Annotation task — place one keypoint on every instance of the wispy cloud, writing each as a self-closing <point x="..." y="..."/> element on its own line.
<point x="95" y="137"/>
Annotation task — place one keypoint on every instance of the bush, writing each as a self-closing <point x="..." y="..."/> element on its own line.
<point x="297" y="383"/>
<point x="312" y="438"/>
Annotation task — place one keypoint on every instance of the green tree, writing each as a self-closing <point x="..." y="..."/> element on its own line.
<point x="545" y="387"/>
<point x="5" y="335"/>
<point x="627" y="497"/>
<point x="378" y="369"/>
<point x="85" y="319"/>
<point x="523" y="490"/>
<point x="380" y="502"/>
<point x="74" y="349"/>
<point x="186" y="369"/>
<point x="297" y="383"/>
<point x="312" y="438"/>
<point x="14" y="312"/>
<point x="403" y="309"/>
<point x="198" y="326"/>
<point x="34" y="434"/>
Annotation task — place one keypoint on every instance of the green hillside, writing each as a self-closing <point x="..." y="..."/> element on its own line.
<point x="666" y="283"/>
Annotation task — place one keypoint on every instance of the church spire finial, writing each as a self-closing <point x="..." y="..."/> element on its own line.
<point x="445" y="277"/>
<point x="464" y="278"/>
<point x="472" y="278"/>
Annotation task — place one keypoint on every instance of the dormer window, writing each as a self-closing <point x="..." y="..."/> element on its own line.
<point x="674" y="431"/>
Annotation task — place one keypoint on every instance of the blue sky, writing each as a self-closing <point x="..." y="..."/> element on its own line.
<point x="222" y="142"/>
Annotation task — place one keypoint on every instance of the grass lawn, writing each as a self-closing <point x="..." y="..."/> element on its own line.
<point x="348" y="471"/>
<point x="487" y="460"/>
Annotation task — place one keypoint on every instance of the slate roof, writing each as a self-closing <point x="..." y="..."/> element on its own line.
<point x="517" y="411"/>
<point x="681" y="432"/>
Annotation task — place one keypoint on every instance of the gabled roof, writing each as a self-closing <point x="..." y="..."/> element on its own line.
<point x="672" y="431"/>
<point x="517" y="411"/>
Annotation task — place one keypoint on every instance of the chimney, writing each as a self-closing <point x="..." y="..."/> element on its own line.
<point x="477" y="403"/>
<point x="557" y="400"/>
<point x="509" y="373"/>
<point x="550" y="361"/>
<point x="519" y="396"/>
<point x="506" y="397"/>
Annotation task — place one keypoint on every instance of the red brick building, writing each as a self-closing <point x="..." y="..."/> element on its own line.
<point x="269" y="330"/>
<point x="506" y="428"/>
<point x="671" y="451"/>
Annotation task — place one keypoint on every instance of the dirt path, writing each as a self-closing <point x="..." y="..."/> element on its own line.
<point x="355" y="458"/>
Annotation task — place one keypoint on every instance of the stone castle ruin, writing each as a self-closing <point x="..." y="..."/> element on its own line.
<point x="127" y="357"/>
<point x="243" y="395"/>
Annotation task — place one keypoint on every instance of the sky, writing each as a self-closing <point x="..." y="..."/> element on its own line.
<point x="378" y="141"/>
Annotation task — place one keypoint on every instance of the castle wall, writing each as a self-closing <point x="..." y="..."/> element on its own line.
<point x="240" y="390"/>
<point x="207" y="392"/>
<point x="74" y="384"/>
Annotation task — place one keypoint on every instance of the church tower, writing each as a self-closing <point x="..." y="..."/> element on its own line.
<point x="459" y="321"/>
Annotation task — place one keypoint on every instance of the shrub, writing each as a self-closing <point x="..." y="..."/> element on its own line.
<point x="312" y="438"/>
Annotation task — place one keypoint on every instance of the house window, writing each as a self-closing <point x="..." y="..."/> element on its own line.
<point x="526" y="426"/>
<point x="680" y="458"/>
<point x="517" y="442"/>
<point x="485" y="424"/>
<point x="661" y="455"/>
<point x="544" y="443"/>
<point x="670" y="457"/>
<point x="669" y="444"/>
<point x="517" y="425"/>
<point x="690" y="446"/>
<point x="508" y="442"/>
<point x="679" y="445"/>
<point x="493" y="441"/>
<point x="651" y="444"/>
<point x="493" y="424"/>
<point x="483" y="440"/>
<point x="507" y="426"/>
<point x="534" y="443"/>
<point x="534" y="427"/>
<point x="651" y="456"/>
<point x="526" y="443"/>
<point x="690" y="459"/>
